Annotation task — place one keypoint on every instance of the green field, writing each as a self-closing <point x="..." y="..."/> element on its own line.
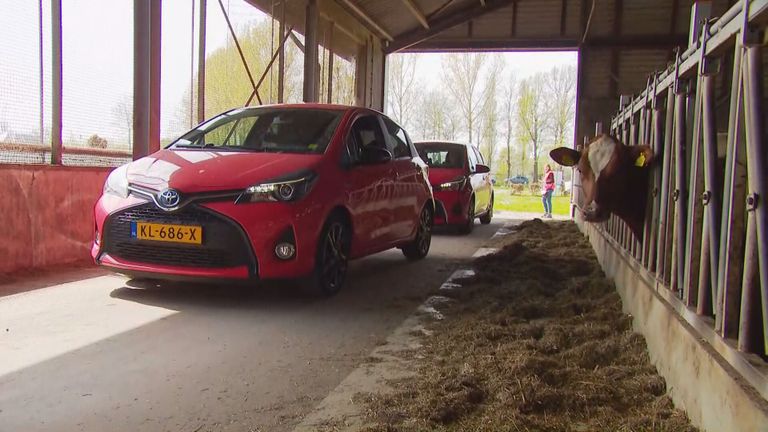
<point x="505" y="201"/>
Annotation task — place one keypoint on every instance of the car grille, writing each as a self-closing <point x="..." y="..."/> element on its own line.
<point x="224" y="242"/>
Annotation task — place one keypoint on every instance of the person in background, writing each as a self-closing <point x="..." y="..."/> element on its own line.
<point x="547" y="188"/>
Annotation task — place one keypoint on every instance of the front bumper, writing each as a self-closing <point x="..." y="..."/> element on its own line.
<point x="238" y="240"/>
<point x="451" y="207"/>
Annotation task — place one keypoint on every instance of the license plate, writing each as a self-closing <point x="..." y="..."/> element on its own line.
<point x="190" y="234"/>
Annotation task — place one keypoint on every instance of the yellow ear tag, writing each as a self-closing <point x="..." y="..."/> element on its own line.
<point x="312" y="146"/>
<point x="640" y="161"/>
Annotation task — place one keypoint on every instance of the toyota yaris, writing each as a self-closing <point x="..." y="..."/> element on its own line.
<point x="284" y="191"/>
<point x="461" y="183"/>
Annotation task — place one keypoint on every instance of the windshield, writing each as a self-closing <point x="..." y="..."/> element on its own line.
<point x="442" y="155"/>
<point x="265" y="130"/>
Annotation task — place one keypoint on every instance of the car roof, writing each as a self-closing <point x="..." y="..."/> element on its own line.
<point x="324" y="106"/>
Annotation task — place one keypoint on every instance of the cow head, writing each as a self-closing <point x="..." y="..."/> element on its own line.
<point x="614" y="179"/>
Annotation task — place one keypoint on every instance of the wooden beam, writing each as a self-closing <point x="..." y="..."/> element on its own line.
<point x="514" y="20"/>
<point x="417" y="13"/>
<point x="440" y="9"/>
<point x="563" y="15"/>
<point x="460" y="16"/>
<point x="618" y="9"/>
<point x="362" y="14"/>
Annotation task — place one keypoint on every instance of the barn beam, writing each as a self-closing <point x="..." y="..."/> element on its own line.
<point x="416" y="13"/>
<point x="460" y="16"/>
<point x="621" y="43"/>
<point x="370" y="21"/>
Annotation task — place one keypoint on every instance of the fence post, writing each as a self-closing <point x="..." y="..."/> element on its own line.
<point x="56" y="82"/>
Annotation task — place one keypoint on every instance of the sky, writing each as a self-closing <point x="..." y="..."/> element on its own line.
<point x="98" y="64"/>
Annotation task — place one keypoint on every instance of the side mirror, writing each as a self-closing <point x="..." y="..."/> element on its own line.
<point x="372" y="155"/>
<point x="482" y="169"/>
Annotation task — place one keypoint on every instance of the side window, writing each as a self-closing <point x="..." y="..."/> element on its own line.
<point x="398" y="138"/>
<point x="479" y="156"/>
<point x="472" y="158"/>
<point x="366" y="131"/>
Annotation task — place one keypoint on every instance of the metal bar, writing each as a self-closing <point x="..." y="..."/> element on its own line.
<point x="141" y="77"/>
<point x="711" y="198"/>
<point x="268" y="68"/>
<point x="155" y="70"/>
<point x="239" y="49"/>
<point x="749" y="313"/>
<point x="310" y="52"/>
<point x="734" y="195"/>
<point x="663" y="245"/>
<point x="656" y="136"/>
<point x="201" y="61"/>
<point x="41" y="66"/>
<point x="754" y="128"/>
<point x="721" y="33"/>
<point x="56" y="82"/>
<point x="695" y="213"/>
<point x="679" y="195"/>
<point x="330" y="64"/>
<point x="281" y="57"/>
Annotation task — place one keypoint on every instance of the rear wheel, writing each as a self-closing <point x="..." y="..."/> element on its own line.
<point x="331" y="262"/>
<point x="486" y="218"/>
<point x="419" y="247"/>
<point x="469" y="225"/>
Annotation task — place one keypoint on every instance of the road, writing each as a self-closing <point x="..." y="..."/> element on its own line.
<point x="100" y="355"/>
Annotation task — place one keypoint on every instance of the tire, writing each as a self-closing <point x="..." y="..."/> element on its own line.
<point x="470" y="224"/>
<point x="419" y="247"/>
<point x="486" y="218"/>
<point x="332" y="257"/>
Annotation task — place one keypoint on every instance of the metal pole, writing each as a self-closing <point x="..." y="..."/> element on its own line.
<point x="56" y="82"/>
<point x="656" y="138"/>
<point x="201" y="61"/>
<point x="756" y="166"/>
<point x="732" y="221"/>
<point x="711" y="197"/>
<point x="664" y="245"/>
<point x="141" y="77"/>
<point x="155" y="35"/>
<point x="330" y="64"/>
<point x="41" y="66"/>
<point x="310" y="53"/>
<point x="281" y="57"/>
<point x="679" y="195"/>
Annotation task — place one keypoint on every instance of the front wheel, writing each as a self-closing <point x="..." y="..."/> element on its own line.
<point x="331" y="261"/>
<point x="469" y="225"/>
<point x="486" y="218"/>
<point x="419" y="247"/>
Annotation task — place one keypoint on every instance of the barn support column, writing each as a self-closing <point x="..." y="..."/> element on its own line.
<point x="56" y="81"/>
<point x="311" y="77"/>
<point x="369" y="75"/>
<point x="146" y="77"/>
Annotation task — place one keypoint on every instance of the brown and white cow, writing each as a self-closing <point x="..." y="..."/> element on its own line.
<point x="614" y="179"/>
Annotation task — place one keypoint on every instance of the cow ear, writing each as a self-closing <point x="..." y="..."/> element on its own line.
<point x="641" y="155"/>
<point x="565" y="156"/>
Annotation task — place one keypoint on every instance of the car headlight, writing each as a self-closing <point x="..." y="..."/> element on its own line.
<point x="117" y="182"/>
<point x="291" y="189"/>
<point x="453" y="185"/>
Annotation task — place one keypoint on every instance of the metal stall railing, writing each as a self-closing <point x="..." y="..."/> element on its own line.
<point x="706" y="232"/>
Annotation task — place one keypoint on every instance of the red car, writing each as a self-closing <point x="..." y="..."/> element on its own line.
<point x="461" y="183"/>
<point x="283" y="191"/>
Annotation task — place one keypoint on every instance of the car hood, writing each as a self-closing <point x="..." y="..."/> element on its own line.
<point x="438" y="176"/>
<point x="202" y="171"/>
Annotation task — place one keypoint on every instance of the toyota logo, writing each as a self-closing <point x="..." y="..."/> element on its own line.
<point x="168" y="198"/>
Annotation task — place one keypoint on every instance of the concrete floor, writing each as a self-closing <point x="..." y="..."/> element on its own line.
<point x="100" y="355"/>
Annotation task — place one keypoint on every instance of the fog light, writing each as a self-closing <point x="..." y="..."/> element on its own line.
<point x="285" y="250"/>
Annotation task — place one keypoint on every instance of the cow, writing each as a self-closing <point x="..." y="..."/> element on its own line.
<point x="614" y="179"/>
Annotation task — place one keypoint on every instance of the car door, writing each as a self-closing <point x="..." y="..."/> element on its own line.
<point x="370" y="187"/>
<point x="483" y="192"/>
<point x="405" y="205"/>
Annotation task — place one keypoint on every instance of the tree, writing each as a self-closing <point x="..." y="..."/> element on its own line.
<point x="532" y="117"/>
<point x="561" y="102"/>
<point x="508" y="114"/>
<point x="402" y="87"/>
<point x="463" y="75"/>
<point x="122" y="114"/>
<point x="435" y="119"/>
